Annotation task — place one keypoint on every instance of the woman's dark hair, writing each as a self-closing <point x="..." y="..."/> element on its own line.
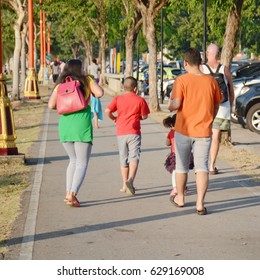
<point x="169" y="122"/>
<point x="73" y="68"/>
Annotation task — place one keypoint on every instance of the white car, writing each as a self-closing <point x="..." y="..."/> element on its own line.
<point x="167" y="83"/>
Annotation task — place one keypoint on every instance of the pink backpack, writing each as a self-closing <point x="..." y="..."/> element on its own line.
<point x="70" y="98"/>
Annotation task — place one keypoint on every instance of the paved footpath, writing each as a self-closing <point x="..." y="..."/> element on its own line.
<point x="112" y="226"/>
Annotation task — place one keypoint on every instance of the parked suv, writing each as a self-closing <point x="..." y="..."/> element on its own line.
<point x="239" y="84"/>
<point x="248" y="107"/>
<point x="248" y="70"/>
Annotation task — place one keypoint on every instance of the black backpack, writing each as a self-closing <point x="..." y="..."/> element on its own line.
<point x="219" y="77"/>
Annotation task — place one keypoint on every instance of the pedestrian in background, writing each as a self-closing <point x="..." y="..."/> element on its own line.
<point x="75" y="130"/>
<point x="55" y="68"/>
<point x="222" y="120"/>
<point x="126" y="111"/>
<point x="96" y="107"/>
<point x="196" y="98"/>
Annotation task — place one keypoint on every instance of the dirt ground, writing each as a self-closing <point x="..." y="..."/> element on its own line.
<point x="14" y="174"/>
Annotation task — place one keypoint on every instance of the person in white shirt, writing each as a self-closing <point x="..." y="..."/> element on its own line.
<point x="222" y="120"/>
<point x="93" y="69"/>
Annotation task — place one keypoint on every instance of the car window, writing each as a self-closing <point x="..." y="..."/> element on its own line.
<point x="248" y="70"/>
<point x="159" y="72"/>
<point x="176" y="72"/>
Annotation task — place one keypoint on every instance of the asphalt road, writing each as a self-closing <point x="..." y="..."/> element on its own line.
<point x="112" y="226"/>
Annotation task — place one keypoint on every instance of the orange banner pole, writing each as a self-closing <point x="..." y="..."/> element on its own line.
<point x="44" y="38"/>
<point x="1" y="45"/>
<point x="41" y="35"/>
<point x="40" y="74"/>
<point x="31" y="34"/>
<point x="31" y="89"/>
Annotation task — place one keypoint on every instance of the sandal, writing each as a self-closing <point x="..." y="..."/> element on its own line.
<point x="173" y="202"/>
<point x="202" y="212"/>
<point x="74" y="202"/>
<point x="213" y="172"/>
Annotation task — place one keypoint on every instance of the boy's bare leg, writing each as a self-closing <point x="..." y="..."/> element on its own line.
<point x="133" y="166"/>
<point x="124" y="174"/>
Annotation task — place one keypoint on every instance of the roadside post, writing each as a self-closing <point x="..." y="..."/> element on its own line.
<point x="7" y="131"/>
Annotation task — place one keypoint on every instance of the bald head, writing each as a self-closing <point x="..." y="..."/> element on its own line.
<point x="213" y="51"/>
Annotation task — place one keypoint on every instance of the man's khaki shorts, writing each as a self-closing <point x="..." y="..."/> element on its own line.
<point x="221" y="124"/>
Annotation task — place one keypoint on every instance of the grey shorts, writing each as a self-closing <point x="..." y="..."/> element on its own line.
<point x="129" y="147"/>
<point x="221" y="124"/>
<point x="183" y="147"/>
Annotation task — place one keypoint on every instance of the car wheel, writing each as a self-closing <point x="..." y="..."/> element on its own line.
<point x="234" y="118"/>
<point x="253" y="118"/>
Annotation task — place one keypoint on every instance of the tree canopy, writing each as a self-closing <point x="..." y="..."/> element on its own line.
<point x="87" y="29"/>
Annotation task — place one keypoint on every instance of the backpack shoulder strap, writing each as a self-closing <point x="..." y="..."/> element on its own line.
<point x="218" y="67"/>
<point x="209" y="68"/>
<point x="68" y="79"/>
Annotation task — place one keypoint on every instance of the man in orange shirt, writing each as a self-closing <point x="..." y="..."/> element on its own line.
<point x="196" y="97"/>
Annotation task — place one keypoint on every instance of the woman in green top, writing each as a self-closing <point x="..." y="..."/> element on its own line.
<point x="75" y="130"/>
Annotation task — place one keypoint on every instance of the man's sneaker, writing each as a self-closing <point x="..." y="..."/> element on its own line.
<point x="130" y="187"/>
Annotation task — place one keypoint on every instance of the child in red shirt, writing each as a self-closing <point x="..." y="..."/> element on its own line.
<point x="170" y="161"/>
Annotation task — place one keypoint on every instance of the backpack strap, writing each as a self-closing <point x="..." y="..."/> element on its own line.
<point x="217" y="71"/>
<point x="218" y="68"/>
<point x="209" y="68"/>
<point x="68" y="79"/>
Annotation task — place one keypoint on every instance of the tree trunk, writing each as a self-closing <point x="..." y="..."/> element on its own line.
<point x="151" y="42"/>
<point x="230" y="33"/>
<point x="129" y="43"/>
<point x="88" y="52"/>
<point x="131" y="34"/>
<point x="149" y="10"/>
<point x="16" y="61"/>
<point x="74" y="50"/>
<point x="149" y="35"/>
<point x="20" y="8"/>
<point x="103" y="56"/>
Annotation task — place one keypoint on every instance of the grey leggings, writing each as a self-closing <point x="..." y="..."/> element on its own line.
<point x="79" y="154"/>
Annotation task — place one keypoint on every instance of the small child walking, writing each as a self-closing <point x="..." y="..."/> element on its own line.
<point x="170" y="161"/>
